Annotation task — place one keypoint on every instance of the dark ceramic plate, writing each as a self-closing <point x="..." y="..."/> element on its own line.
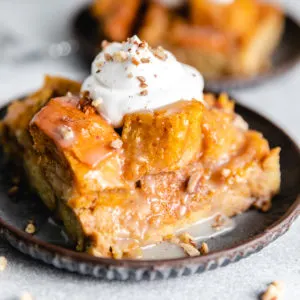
<point x="86" y="31"/>
<point x="253" y="231"/>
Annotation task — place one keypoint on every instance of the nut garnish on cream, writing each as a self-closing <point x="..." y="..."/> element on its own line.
<point x="131" y="76"/>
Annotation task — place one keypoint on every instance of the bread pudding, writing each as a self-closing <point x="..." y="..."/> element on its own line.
<point x="137" y="152"/>
<point x="219" y="38"/>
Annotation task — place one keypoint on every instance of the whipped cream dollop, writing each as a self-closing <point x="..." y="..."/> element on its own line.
<point x="130" y="76"/>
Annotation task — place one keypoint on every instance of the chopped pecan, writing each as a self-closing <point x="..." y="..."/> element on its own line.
<point x="274" y="291"/>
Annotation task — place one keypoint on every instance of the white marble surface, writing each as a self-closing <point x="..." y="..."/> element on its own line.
<point x="41" y="22"/>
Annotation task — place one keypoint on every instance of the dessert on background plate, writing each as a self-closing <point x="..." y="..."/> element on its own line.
<point x="138" y="153"/>
<point x="218" y="37"/>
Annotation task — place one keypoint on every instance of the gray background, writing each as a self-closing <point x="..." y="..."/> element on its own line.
<point x="37" y="22"/>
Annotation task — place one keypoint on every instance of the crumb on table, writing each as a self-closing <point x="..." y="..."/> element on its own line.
<point x="274" y="291"/>
<point x="26" y="296"/>
<point x="3" y="263"/>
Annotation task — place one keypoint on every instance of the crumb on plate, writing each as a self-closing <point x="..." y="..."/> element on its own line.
<point x="30" y="228"/>
<point x="204" y="248"/>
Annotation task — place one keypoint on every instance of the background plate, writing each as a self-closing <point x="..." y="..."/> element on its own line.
<point x="86" y="30"/>
<point x="254" y="230"/>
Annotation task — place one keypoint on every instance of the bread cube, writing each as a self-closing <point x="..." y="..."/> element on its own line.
<point x="14" y="127"/>
<point x="251" y="29"/>
<point x="79" y="153"/>
<point x="164" y="140"/>
<point x="155" y="25"/>
<point x="257" y="46"/>
<point x="117" y="17"/>
<point x="237" y="18"/>
<point x="223" y="132"/>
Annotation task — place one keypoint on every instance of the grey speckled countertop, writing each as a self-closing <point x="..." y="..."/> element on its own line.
<point x="47" y="21"/>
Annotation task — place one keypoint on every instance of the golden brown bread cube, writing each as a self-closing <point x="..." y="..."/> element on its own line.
<point x="155" y="25"/>
<point x="79" y="153"/>
<point x="251" y="30"/>
<point x="223" y="136"/>
<point x="14" y="127"/>
<point x="206" y="38"/>
<point x="116" y="17"/>
<point x="204" y="47"/>
<point x="257" y="46"/>
<point x="164" y="140"/>
<point x="236" y="18"/>
<point x="268" y="183"/>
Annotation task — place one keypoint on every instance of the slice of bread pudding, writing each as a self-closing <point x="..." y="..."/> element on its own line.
<point x="119" y="191"/>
